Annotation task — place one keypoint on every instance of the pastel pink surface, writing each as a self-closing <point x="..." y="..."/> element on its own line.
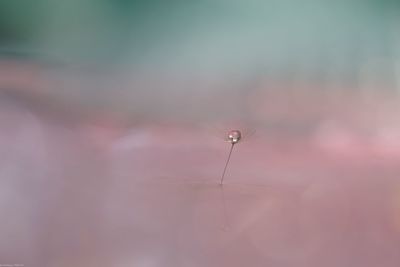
<point x="149" y="196"/>
<point x="90" y="192"/>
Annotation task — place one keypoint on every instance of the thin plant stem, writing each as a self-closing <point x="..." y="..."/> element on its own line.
<point x="226" y="164"/>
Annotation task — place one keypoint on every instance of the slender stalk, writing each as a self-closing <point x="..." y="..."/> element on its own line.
<point x="226" y="165"/>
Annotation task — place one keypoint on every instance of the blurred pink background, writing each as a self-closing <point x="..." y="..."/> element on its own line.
<point x="84" y="184"/>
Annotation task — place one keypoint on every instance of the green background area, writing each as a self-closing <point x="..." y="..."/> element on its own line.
<point x="282" y="36"/>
